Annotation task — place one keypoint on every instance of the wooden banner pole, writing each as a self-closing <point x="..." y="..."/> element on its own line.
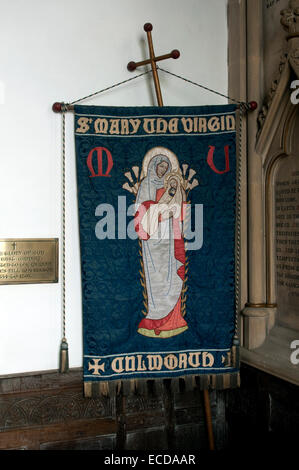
<point x="148" y="28"/>
<point x="208" y="414"/>
<point x="175" y="54"/>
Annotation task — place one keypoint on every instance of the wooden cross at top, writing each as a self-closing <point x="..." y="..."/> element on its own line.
<point x="175" y="54"/>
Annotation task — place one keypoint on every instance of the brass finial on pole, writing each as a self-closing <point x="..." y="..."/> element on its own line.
<point x="175" y="54"/>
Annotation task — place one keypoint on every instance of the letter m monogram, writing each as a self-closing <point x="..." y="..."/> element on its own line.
<point x="99" y="152"/>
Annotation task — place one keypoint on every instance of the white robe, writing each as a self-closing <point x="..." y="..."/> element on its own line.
<point x="163" y="284"/>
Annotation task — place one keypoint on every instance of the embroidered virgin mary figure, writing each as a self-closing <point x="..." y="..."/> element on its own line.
<point x="159" y="224"/>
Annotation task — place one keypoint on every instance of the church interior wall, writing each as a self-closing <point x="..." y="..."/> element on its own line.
<point x="61" y="51"/>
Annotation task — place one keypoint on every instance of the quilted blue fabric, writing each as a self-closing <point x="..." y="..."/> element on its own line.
<point x="109" y="142"/>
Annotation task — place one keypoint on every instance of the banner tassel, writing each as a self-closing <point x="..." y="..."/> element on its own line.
<point x="64" y="357"/>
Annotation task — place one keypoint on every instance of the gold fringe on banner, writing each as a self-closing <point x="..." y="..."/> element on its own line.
<point x="104" y="389"/>
<point x="146" y="387"/>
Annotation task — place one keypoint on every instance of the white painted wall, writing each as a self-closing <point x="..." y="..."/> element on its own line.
<point x="61" y="50"/>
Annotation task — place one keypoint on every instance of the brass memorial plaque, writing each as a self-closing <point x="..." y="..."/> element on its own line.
<point x="28" y="260"/>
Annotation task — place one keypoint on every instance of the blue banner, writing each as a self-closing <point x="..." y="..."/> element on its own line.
<point x="156" y="197"/>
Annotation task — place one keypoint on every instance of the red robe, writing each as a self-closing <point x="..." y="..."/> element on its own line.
<point x="173" y="322"/>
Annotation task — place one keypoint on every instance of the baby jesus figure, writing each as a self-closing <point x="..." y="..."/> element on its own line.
<point x="173" y="187"/>
<point x="174" y="193"/>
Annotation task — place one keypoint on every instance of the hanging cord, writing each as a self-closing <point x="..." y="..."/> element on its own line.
<point x="110" y="87"/>
<point x="244" y="104"/>
<point x="63" y="358"/>
<point x="236" y="341"/>
<point x="250" y="106"/>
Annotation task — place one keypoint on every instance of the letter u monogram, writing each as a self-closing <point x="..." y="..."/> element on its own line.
<point x="210" y="160"/>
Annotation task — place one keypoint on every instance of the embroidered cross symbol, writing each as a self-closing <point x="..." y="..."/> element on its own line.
<point x="96" y="366"/>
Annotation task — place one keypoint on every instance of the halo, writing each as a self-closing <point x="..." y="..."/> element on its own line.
<point x="160" y="151"/>
<point x="173" y="174"/>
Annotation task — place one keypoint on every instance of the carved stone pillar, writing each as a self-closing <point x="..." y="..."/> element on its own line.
<point x="255" y="314"/>
<point x="260" y="311"/>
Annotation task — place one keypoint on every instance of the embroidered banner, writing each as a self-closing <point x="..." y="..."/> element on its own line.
<point x="156" y="195"/>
